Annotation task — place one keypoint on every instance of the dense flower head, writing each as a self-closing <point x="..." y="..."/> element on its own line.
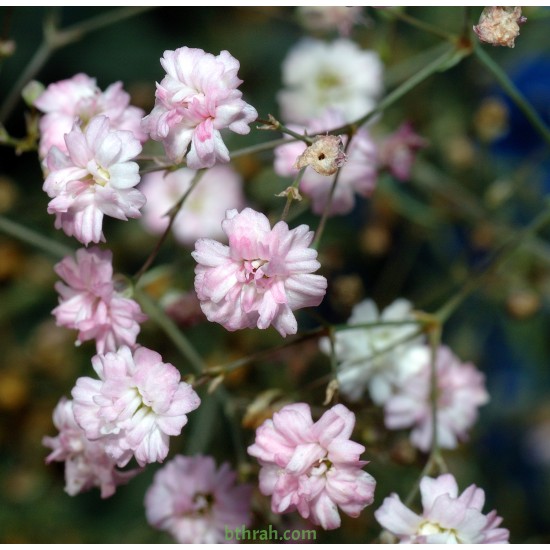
<point x="460" y="392"/>
<point x="96" y="177"/>
<point x="369" y="357"/>
<point x="195" y="501"/>
<point x="447" y="517"/>
<point x="218" y="190"/>
<point x="196" y="99"/>
<point x="357" y="176"/>
<point x="78" y="99"/>
<point x="134" y="407"/>
<point x="313" y="468"/>
<point x="261" y="277"/>
<point x="318" y="75"/>
<point x="89" y="302"/>
<point x="87" y="464"/>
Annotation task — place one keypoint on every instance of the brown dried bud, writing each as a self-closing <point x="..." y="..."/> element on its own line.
<point x="499" y="25"/>
<point x="325" y="155"/>
<point x="291" y="192"/>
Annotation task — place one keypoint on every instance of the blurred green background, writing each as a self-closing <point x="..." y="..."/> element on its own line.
<point x="484" y="175"/>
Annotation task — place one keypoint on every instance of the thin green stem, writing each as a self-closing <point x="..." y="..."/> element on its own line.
<point x="22" y="233"/>
<point x="260" y="147"/>
<point x="419" y="24"/>
<point x="174" y="211"/>
<point x="515" y="95"/>
<point x="55" y="39"/>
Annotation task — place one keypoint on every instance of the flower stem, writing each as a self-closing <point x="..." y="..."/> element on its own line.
<point x="55" y="39"/>
<point x="22" y="233"/>
<point x="173" y="212"/>
<point x="290" y="197"/>
<point x="419" y="24"/>
<point x="515" y="95"/>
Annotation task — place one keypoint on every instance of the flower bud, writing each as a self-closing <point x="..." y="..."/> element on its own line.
<point x="325" y="155"/>
<point x="499" y="25"/>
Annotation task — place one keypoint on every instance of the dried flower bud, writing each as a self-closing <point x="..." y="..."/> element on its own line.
<point x="325" y="155"/>
<point x="291" y="192"/>
<point x="499" y="25"/>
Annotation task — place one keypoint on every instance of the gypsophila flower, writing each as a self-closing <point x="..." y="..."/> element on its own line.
<point x="89" y="303"/>
<point x="94" y="179"/>
<point x="313" y="468"/>
<point x="78" y="99"/>
<point x="196" y="502"/>
<point x="135" y="406"/>
<point x="370" y="357"/>
<point x="261" y="277"/>
<point x="218" y="190"/>
<point x="196" y="99"/>
<point x="398" y="151"/>
<point x="357" y="176"/>
<point x="87" y="464"/>
<point x="447" y="517"/>
<point x="460" y="392"/>
<point x="499" y="25"/>
<point x="318" y="75"/>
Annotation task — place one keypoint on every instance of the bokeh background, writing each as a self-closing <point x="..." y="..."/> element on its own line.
<point x="485" y="174"/>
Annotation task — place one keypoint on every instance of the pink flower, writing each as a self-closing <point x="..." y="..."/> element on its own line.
<point x="196" y="99"/>
<point x="357" y="176"/>
<point x="78" y="99"/>
<point x="398" y="151"/>
<point x="87" y="464"/>
<point x="135" y="406"/>
<point x="460" y="389"/>
<point x="219" y="189"/>
<point x="447" y="517"/>
<point x="94" y="179"/>
<point x="312" y="467"/>
<point x="261" y="277"/>
<point x="195" y="502"/>
<point x="89" y="303"/>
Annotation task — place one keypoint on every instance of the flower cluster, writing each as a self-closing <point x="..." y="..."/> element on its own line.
<point x="318" y="75"/>
<point x="87" y="464"/>
<point x="447" y="517"/>
<point x="313" y="468"/>
<point x="89" y="303"/>
<point x="460" y="392"/>
<point x="96" y="177"/>
<point x="135" y="406"/>
<point x="218" y="190"/>
<point x="78" y="99"/>
<point x="196" y="99"/>
<point x="196" y="502"/>
<point x="261" y="277"/>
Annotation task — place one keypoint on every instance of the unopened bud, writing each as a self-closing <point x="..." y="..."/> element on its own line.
<point x="32" y="91"/>
<point x="499" y="25"/>
<point x="7" y="48"/>
<point x="325" y="155"/>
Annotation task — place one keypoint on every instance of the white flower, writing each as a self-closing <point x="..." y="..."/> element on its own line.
<point x="318" y="75"/>
<point x="369" y="357"/>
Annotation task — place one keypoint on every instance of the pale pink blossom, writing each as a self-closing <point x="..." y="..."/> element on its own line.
<point x="313" y="468"/>
<point x="87" y="464"/>
<point x="369" y="357"/>
<point x="218" y="190"/>
<point x="78" y="99"/>
<point x="135" y="406"/>
<point x="196" y="502"/>
<point x="460" y="392"/>
<point x="398" y="151"/>
<point x="339" y="74"/>
<point x="357" y="176"/>
<point x="447" y="517"/>
<point x="196" y="99"/>
<point x="89" y="303"/>
<point x="329" y="18"/>
<point x="261" y="277"/>
<point x="95" y="178"/>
